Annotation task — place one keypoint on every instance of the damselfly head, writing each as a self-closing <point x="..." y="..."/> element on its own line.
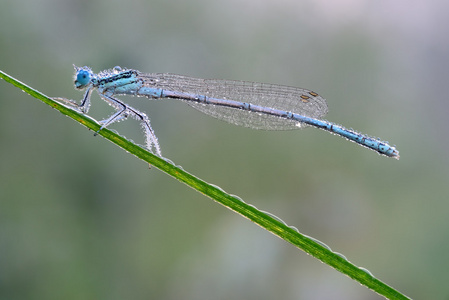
<point x="83" y="76"/>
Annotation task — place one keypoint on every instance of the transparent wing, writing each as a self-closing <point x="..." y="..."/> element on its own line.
<point x="285" y="98"/>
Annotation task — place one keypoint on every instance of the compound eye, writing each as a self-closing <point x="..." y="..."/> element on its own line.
<point x="82" y="78"/>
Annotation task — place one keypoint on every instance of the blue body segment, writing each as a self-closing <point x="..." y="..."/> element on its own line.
<point x="249" y="104"/>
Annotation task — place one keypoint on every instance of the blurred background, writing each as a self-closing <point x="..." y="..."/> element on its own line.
<point x="82" y="219"/>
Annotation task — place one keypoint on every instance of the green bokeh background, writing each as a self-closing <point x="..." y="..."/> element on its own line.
<point x="82" y="219"/>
